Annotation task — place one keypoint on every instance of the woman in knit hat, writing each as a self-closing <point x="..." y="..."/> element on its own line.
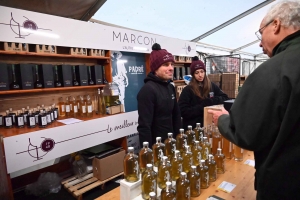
<point x="198" y="94"/>
<point x="157" y="105"/>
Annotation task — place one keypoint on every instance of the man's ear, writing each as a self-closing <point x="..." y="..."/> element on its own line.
<point x="277" y="26"/>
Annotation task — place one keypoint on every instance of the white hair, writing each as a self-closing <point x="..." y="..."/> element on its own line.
<point x="287" y="11"/>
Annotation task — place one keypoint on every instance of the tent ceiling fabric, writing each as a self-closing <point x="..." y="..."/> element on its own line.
<point x="75" y="9"/>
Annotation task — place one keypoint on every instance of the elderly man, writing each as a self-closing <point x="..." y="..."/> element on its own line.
<point x="265" y="116"/>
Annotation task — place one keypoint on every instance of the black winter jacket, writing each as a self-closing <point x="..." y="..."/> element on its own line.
<point x="158" y="110"/>
<point x="191" y="106"/>
<point x="265" y="118"/>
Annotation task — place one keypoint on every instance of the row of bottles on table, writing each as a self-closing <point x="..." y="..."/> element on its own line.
<point x="39" y="116"/>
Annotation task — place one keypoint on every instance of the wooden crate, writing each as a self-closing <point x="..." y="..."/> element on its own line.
<point x="179" y="89"/>
<point x="77" y="186"/>
<point x="207" y="118"/>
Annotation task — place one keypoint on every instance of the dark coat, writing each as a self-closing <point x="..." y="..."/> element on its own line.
<point x="265" y="118"/>
<point x="158" y="110"/>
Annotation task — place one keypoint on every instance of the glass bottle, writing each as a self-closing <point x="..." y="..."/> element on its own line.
<point x="197" y="131"/>
<point x="131" y="166"/>
<point x="206" y="150"/>
<point x="101" y="103"/>
<point x="152" y="196"/>
<point x="43" y="107"/>
<point x="204" y="175"/>
<point x="75" y="82"/>
<point x="90" y="80"/>
<point x="104" y="75"/>
<point x="48" y="116"/>
<point x="212" y="168"/>
<point x="68" y="108"/>
<point x="158" y="151"/>
<point x="62" y="107"/>
<point x="30" y="118"/>
<point x="7" y="120"/>
<point x="38" y="83"/>
<point x="220" y="160"/>
<point x="238" y="153"/>
<point x="217" y="140"/>
<point x="170" y="146"/>
<point x="176" y="163"/>
<point x="190" y="136"/>
<point x="25" y="113"/>
<point x="187" y="159"/>
<point x="74" y="107"/>
<point x="11" y="113"/>
<point x="51" y="113"/>
<point x="149" y="183"/>
<point x="82" y="107"/>
<point x="36" y="115"/>
<point x="168" y="193"/>
<point x="14" y="84"/>
<point x="181" y="140"/>
<point x="19" y="119"/>
<point x="57" y="82"/>
<point x="145" y="156"/>
<point x="55" y="111"/>
<point x="183" y="187"/>
<point x="42" y="119"/>
<point x="227" y="148"/>
<point x="164" y="172"/>
<point x="79" y="167"/>
<point x="89" y="106"/>
<point x="194" y="178"/>
<point x="196" y="151"/>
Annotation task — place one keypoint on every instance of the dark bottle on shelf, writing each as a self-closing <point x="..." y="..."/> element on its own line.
<point x="19" y="120"/>
<point x="11" y="113"/>
<point x="42" y="119"/>
<point x="75" y="82"/>
<point x="1" y="120"/>
<point x="14" y="85"/>
<point x="57" y="82"/>
<point x="90" y="80"/>
<point x="55" y="111"/>
<point x="36" y="115"/>
<point x="30" y="119"/>
<point x="38" y="83"/>
<point x="8" y="120"/>
<point x="25" y="113"/>
<point x="51" y="113"/>
<point x="104" y="76"/>
<point x="48" y="115"/>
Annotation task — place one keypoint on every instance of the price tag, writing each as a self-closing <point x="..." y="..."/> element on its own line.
<point x="226" y="186"/>
<point x="250" y="162"/>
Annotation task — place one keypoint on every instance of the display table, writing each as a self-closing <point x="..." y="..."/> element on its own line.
<point x="238" y="173"/>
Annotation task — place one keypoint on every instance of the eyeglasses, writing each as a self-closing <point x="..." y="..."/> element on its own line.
<point x="259" y="32"/>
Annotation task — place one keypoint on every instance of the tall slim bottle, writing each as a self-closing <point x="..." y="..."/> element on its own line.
<point x="48" y="115"/>
<point x="212" y="168"/>
<point x="89" y="106"/>
<point x="177" y="165"/>
<point x="145" y="157"/>
<point x="227" y="148"/>
<point x="204" y="175"/>
<point x="149" y="181"/>
<point x="8" y="120"/>
<point x="207" y="148"/>
<point x="42" y="119"/>
<point x="217" y="140"/>
<point x="102" y="105"/>
<point x="55" y="111"/>
<point x="238" y="153"/>
<point x="170" y="146"/>
<point x="62" y="107"/>
<point x="183" y="186"/>
<point x="187" y="159"/>
<point x="74" y="106"/>
<point x="164" y="173"/>
<point x="181" y="140"/>
<point x="197" y="130"/>
<point x="30" y="118"/>
<point x="190" y="136"/>
<point x="196" y="151"/>
<point x="14" y="84"/>
<point x="168" y="193"/>
<point x="11" y="113"/>
<point x="220" y="160"/>
<point x="158" y="151"/>
<point x="131" y="166"/>
<point x="38" y="83"/>
<point x="82" y="107"/>
<point x="19" y="119"/>
<point x="194" y="178"/>
<point x="68" y="107"/>
<point x="25" y="113"/>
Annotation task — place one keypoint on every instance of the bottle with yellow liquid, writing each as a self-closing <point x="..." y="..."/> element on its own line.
<point x="176" y="164"/>
<point x="196" y="151"/>
<point x="187" y="159"/>
<point x="75" y="107"/>
<point x="212" y="168"/>
<point x="217" y="140"/>
<point x="168" y="193"/>
<point x="220" y="160"/>
<point x="206" y="148"/>
<point x="82" y="107"/>
<point x="131" y="166"/>
<point x="164" y="173"/>
<point x="194" y="178"/>
<point x="149" y="183"/>
<point x="190" y="136"/>
<point x="183" y="186"/>
<point x="204" y="175"/>
<point x="170" y="146"/>
<point x="89" y="106"/>
<point x="238" y="153"/>
<point x="61" y="107"/>
<point x="158" y="151"/>
<point x="152" y="196"/>
<point x="227" y="148"/>
<point x="181" y="140"/>
<point x="78" y="103"/>
<point x="68" y="108"/>
<point x="145" y="156"/>
<point x="197" y="130"/>
<point x="101" y="103"/>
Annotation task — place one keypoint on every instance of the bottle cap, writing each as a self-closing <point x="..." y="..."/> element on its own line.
<point x="168" y="183"/>
<point x="149" y="165"/>
<point x="181" y="130"/>
<point x="152" y="194"/>
<point x="158" y="138"/>
<point x="145" y="143"/>
<point x="170" y="134"/>
<point x="130" y="148"/>
<point x="196" y="142"/>
<point x="189" y="127"/>
<point x="198" y="124"/>
<point x="193" y="167"/>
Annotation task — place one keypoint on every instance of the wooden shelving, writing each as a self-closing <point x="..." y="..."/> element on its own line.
<point x="181" y="62"/>
<point x="178" y="81"/>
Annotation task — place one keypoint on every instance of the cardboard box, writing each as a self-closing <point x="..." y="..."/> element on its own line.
<point x="24" y="75"/>
<point x="130" y="190"/>
<point x="115" y="109"/>
<point x="207" y="119"/>
<point x="109" y="166"/>
<point x="97" y="74"/>
<point x="4" y="81"/>
<point x="97" y="52"/>
<point x="41" y="48"/>
<point x="18" y="47"/>
<point x="82" y="75"/>
<point x="65" y="73"/>
<point x="78" y="51"/>
<point x="46" y="75"/>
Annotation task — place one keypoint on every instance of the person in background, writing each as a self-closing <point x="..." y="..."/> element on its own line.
<point x="265" y="116"/>
<point x="199" y="93"/>
<point x="157" y="105"/>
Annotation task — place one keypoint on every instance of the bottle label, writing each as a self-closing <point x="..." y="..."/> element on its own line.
<point x="55" y="114"/>
<point x="67" y="108"/>
<point x="8" y="121"/>
<point x="31" y="121"/>
<point x="83" y="109"/>
<point x="52" y="117"/>
<point x="20" y="121"/>
<point x="63" y="108"/>
<point x="90" y="110"/>
<point x="44" y="121"/>
<point x="75" y="109"/>
<point x="48" y="118"/>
